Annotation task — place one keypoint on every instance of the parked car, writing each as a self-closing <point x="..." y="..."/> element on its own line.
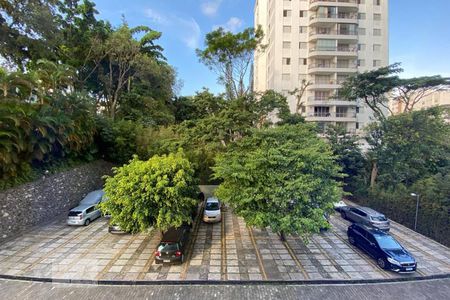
<point x="339" y="205"/>
<point x="115" y="228"/>
<point x="365" y="215"/>
<point x="212" y="211"/>
<point x="173" y="245"/>
<point x="83" y="214"/>
<point x="383" y="247"/>
<point x="94" y="197"/>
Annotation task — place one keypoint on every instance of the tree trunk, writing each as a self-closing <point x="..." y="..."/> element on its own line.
<point x="282" y="236"/>
<point x="374" y="174"/>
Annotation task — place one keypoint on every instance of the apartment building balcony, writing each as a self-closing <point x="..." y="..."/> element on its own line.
<point x="331" y="117"/>
<point x="329" y="52"/>
<point x="324" y="85"/>
<point x="341" y="35"/>
<point x="341" y="17"/>
<point x="319" y="101"/>
<point x="315" y="4"/>
<point x="331" y="68"/>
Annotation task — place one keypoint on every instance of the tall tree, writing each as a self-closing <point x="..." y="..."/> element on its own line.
<point x="231" y="56"/>
<point x="412" y="90"/>
<point x="282" y="177"/>
<point x="372" y="88"/>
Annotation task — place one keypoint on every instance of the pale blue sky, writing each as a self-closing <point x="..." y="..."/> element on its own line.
<point x="419" y="32"/>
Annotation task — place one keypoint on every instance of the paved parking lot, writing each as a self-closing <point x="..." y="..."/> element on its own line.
<point x="229" y="250"/>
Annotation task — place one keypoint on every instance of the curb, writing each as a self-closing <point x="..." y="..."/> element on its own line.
<point x="228" y="282"/>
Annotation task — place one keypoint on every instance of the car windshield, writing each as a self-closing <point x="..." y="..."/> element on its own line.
<point x="379" y="218"/>
<point x="387" y="242"/>
<point x="167" y="247"/>
<point x="74" y="213"/>
<point x="212" y="206"/>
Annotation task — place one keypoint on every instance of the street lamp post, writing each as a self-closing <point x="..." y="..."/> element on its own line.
<point x="417" y="209"/>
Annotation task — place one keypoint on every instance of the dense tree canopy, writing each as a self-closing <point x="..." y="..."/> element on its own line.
<point x="282" y="177"/>
<point x="160" y="192"/>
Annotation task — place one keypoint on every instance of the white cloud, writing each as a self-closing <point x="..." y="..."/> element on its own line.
<point x="187" y="29"/>
<point x="232" y="25"/>
<point x="210" y="8"/>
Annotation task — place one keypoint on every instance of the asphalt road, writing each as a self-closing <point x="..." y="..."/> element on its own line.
<point x="433" y="289"/>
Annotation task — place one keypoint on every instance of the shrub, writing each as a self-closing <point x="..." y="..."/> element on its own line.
<point x="161" y="191"/>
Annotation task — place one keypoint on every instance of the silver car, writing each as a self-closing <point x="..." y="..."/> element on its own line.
<point x="365" y="215"/>
<point x="212" y="211"/>
<point x="94" y="197"/>
<point x="83" y="214"/>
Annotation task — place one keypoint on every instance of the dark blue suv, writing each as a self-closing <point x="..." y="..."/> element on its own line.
<point x="383" y="247"/>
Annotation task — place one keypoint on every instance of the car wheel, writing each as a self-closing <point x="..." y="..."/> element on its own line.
<point x="351" y="240"/>
<point x="381" y="263"/>
<point x="343" y="215"/>
<point x="86" y="223"/>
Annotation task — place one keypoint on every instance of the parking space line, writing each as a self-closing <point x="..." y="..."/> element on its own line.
<point x="149" y="262"/>
<point x="224" y="275"/>
<point x="30" y="267"/>
<point x="296" y="260"/>
<point x="333" y="262"/>
<point x="192" y="242"/>
<point x="384" y="273"/>
<point x="410" y="245"/>
<point x="258" y="255"/>
<point x="116" y="257"/>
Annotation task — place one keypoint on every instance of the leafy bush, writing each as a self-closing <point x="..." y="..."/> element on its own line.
<point x="33" y="135"/>
<point x="281" y="177"/>
<point x="161" y="191"/>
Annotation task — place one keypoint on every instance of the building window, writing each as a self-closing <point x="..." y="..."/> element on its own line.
<point x="357" y="109"/>
<point x="303" y="61"/>
<point x="362" y="47"/>
<point x="361" y="31"/>
<point x="286" y="77"/>
<point x="376" y="48"/>
<point x="322" y="111"/>
<point x="377" y="32"/>
<point x="377" y="17"/>
<point x="303" y="14"/>
<point x="341" y="112"/>
<point x="286" y="45"/>
<point x="357" y="125"/>
<point x="303" y="29"/>
<point x="377" y="63"/>
<point x="287" y="13"/>
<point x="361" y="1"/>
<point x="362" y="16"/>
<point x="286" y="61"/>
<point x="302" y="45"/>
<point x="377" y="2"/>
<point x="287" y="29"/>
<point x="361" y="63"/>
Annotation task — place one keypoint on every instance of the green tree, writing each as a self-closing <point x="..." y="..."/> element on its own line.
<point x="231" y="56"/>
<point x="410" y="146"/>
<point x="282" y="177"/>
<point x="160" y="192"/>
<point x="347" y="149"/>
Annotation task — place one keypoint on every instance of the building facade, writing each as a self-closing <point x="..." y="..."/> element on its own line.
<point x="437" y="98"/>
<point x="314" y="45"/>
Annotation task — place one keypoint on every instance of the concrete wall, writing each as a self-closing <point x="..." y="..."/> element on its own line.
<point x="45" y="199"/>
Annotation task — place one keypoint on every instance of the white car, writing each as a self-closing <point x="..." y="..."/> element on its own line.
<point x="83" y="214"/>
<point x="339" y="205"/>
<point x="212" y="211"/>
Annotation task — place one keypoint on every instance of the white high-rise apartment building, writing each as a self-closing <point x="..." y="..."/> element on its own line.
<point x="320" y="42"/>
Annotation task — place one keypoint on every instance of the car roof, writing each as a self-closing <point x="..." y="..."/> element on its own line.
<point x="212" y="199"/>
<point x="371" y="229"/>
<point x="82" y="207"/>
<point x="173" y="235"/>
<point x="93" y="196"/>
<point x="369" y="211"/>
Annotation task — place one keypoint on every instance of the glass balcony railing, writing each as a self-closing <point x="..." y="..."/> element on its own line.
<point x="335" y="49"/>
<point x="331" y="115"/>
<point x="334" y="32"/>
<point x="332" y="66"/>
<point x="336" y="1"/>
<point x="335" y="16"/>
